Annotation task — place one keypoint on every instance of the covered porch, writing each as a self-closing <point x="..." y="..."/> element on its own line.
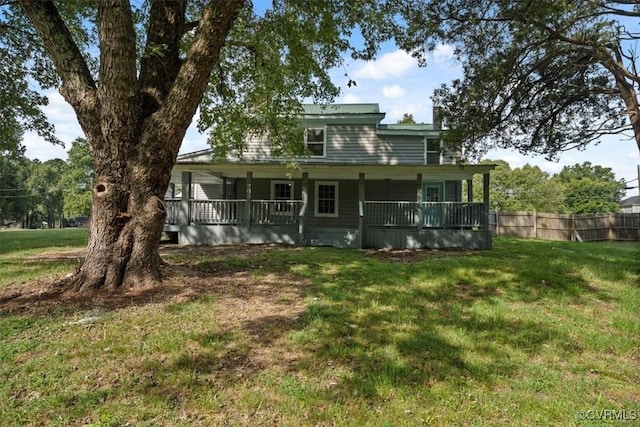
<point x="420" y="207"/>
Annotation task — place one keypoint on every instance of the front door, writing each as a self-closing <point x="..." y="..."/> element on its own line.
<point x="432" y="195"/>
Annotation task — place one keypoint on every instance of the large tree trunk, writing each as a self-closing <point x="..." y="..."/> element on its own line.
<point x="127" y="217"/>
<point x="134" y="123"/>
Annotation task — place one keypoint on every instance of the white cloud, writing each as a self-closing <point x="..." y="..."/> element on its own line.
<point x="38" y="148"/>
<point x="397" y="111"/>
<point x="634" y="154"/>
<point x="394" y="91"/>
<point x="351" y="99"/>
<point x="390" y="65"/>
<point x="442" y="53"/>
<point x="62" y="116"/>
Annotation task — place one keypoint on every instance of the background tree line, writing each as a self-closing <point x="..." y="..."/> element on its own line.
<point x="580" y="189"/>
<point x="35" y="193"/>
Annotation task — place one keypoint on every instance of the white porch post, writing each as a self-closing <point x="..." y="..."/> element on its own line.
<point x="419" y="201"/>
<point x="186" y="195"/>
<point x="224" y="187"/>
<point x="302" y="225"/>
<point x="485" y="200"/>
<point x="361" y="211"/>
<point x="247" y="208"/>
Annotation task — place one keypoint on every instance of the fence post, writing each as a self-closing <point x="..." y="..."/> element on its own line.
<point x="535" y="224"/>
<point x="610" y="234"/>
<point x="573" y="227"/>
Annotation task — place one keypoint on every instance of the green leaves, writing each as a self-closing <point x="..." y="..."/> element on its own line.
<point x="580" y="189"/>
<point x="77" y="180"/>
<point x="537" y="75"/>
<point x="591" y="189"/>
<point x="275" y="61"/>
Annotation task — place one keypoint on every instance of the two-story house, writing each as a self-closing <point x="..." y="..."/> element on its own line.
<point x="365" y="184"/>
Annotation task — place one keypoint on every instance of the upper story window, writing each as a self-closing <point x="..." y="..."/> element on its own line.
<point x="314" y="139"/>
<point x="433" y="152"/>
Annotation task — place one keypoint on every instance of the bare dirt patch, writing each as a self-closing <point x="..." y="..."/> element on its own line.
<point x="260" y="307"/>
<point x="243" y="292"/>
<point x="182" y="282"/>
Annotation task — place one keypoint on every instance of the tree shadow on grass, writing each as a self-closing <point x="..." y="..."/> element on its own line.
<point x="444" y="317"/>
<point x="370" y="324"/>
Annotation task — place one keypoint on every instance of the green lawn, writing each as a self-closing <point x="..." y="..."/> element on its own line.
<point x="19" y="251"/>
<point x="529" y="333"/>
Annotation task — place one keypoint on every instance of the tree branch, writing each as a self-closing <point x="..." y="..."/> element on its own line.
<point x="78" y="86"/>
<point x="117" y="69"/>
<point x="161" y="62"/>
<point x="180" y="105"/>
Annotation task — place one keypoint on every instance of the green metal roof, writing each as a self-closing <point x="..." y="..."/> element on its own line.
<point x="413" y="126"/>
<point x="318" y="109"/>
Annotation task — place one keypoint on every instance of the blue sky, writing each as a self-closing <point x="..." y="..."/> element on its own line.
<point x="399" y="85"/>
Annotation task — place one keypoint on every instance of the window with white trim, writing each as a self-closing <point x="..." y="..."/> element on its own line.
<point x="282" y="190"/>
<point x="433" y="152"/>
<point x="326" y="198"/>
<point x="314" y="139"/>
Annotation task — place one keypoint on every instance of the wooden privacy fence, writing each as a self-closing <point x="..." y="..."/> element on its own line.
<point x="593" y="227"/>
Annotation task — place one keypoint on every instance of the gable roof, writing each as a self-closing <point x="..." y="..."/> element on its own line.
<point x="630" y="201"/>
<point x="340" y="109"/>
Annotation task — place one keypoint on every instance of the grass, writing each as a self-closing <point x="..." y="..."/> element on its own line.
<point x="19" y="250"/>
<point x="529" y="333"/>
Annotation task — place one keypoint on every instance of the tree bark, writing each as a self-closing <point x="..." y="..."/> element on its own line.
<point x="134" y="124"/>
<point x="615" y="64"/>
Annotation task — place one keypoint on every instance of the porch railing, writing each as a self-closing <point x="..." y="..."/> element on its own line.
<point x="217" y="211"/>
<point x="275" y="211"/>
<point x="172" y="207"/>
<point x="427" y="214"/>
<point x="222" y="211"/>
<point x="387" y="214"/>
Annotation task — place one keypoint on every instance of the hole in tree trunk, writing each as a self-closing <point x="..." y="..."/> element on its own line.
<point x="101" y="188"/>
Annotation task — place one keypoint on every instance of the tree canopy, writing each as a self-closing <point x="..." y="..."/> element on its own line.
<point x="135" y="75"/>
<point x="77" y="180"/>
<point x="590" y="188"/>
<point x="407" y="119"/>
<point x="580" y="189"/>
<point x="540" y="76"/>
<point x="527" y="188"/>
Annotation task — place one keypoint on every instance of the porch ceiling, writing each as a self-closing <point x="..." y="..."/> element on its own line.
<point x="337" y="171"/>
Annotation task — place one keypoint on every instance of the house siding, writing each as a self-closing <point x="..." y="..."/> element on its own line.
<point x="201" y="191"/>
<point x="361" y="144"/>
<point x="452" y="191"/>
<point x="347" y="206"/>
<point x="261" y="188"/>
<point x="358" y="144"/>
<point x="390" y="190"/>
<point x="256" y="148"/>
<point x="375" y="190"/>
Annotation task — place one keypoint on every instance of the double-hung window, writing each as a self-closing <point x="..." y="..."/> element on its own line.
<point x="282" y="192"/>
<point x="326" y="198"/>
<point x="314" y="139"/>
<point x="433" y="152"/>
